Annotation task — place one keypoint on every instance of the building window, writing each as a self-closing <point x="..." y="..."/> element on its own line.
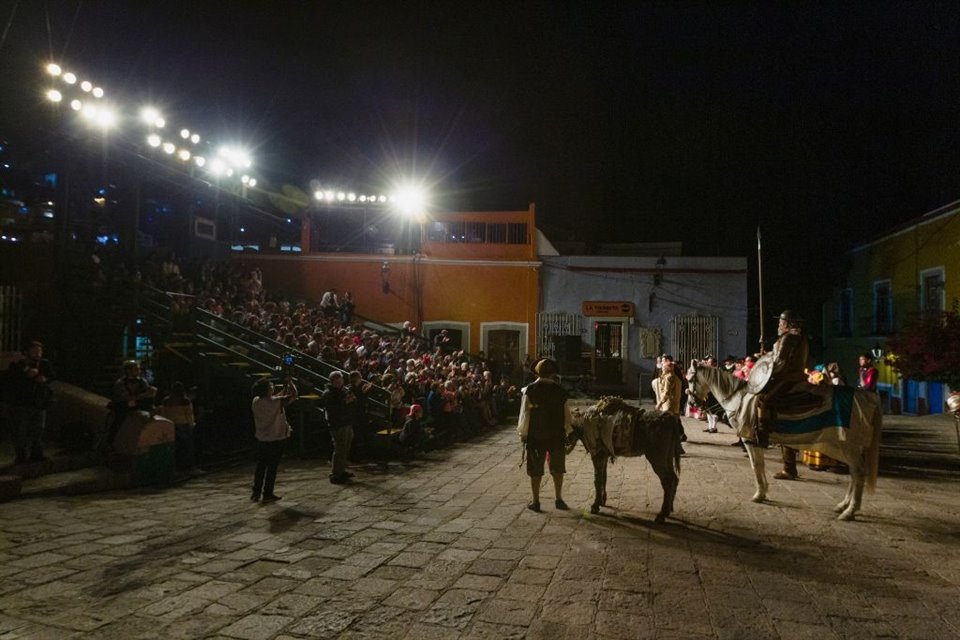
<point x="846" y="312"/>
<point x="882" y="309"/>
<point x="517" y="233"/>
<point x="437" y="232"/>
<point x="497" y="233"/>
<point x="931" y="290"/>
<point x="476" y="232"/>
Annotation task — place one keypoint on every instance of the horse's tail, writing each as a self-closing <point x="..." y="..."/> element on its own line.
<point x="678" y="444"/>
<point x="871" y="455"/>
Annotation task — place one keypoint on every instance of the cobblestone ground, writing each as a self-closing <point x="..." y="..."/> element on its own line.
<point x="445" y="548"/>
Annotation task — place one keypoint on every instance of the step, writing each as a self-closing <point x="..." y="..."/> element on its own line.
<point x="79" y="481"/>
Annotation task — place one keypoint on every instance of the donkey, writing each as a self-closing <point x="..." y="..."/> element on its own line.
<point x="613" y="428"/>
<point x="846" y="426"/>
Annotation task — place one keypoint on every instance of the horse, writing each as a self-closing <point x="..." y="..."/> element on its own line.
<point x="844" y="424"/>
<point x="613" y="428"/>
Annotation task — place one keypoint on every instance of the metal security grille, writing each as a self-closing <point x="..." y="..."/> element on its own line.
<point x="11" y="310"/>
<point x="694" y="337"/>
<point x="556" y="324"/>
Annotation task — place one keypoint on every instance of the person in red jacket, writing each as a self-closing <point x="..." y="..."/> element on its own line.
<point x="868" y="373"/>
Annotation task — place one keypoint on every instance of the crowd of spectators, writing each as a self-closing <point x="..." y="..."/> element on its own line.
<point x="457" y="392"/>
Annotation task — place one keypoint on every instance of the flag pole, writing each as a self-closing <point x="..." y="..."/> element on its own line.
<point x="760" y="286"/>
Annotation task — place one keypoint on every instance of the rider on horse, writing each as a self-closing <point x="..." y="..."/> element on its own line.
<point x="785" y="388"/>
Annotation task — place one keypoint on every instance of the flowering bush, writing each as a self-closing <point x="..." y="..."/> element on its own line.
<point x="928" y="348"/>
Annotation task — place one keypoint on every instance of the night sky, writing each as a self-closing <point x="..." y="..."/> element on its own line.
<point x="823" y="123"/>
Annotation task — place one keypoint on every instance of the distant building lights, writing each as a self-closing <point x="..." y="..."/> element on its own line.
<point x="86" y="86"/>
<point x="97" y="92"/>
<point x="54" y="69"/>
<point x="54" y="96"/>
<point x="69" y="78"/>
<point x="154" y="140"/>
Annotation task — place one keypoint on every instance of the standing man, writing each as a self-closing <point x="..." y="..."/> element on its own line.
<point x="545" y="421"/>
<point x="868" y="373"/>
<point x="339" y="402"/>
<point x="30" y="394"/>
<point x="272" y="429"/>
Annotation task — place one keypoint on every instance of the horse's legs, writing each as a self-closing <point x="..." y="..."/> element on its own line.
<point x="757" y="463"/>
<point x="599" y="481"/>
<point x="851" y="502"/>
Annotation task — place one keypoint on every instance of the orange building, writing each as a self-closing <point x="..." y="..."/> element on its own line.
<point x="476" y="275"/>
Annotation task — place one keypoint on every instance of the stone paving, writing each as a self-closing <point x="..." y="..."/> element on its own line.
<point x="445" y="548"/>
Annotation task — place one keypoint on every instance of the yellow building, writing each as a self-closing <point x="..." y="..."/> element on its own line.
<point x="909" y="270"/>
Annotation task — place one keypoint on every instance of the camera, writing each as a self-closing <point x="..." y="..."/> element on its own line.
<point x="288" y="359"/>
<point x="285" y="368"/>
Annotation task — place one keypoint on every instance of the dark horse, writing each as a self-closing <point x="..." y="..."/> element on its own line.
<point x="613" y="428"/>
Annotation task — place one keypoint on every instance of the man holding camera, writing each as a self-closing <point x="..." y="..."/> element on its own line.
<point x="272" y="429"/>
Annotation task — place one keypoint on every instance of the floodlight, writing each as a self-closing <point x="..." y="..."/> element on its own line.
<point x="318" y="195"/>
<point x="86" y="86"/>
<point x="328" y="195"/>
<point x="97" y="92"/>
<point x="410" y="201"/>
<point x="229" y="172"/>
<point x="382" y="198"/>
<point x="245" y="179"/>
<point x="69" y="78"/>
<point x="363" y="198"/>
<point x="89" y="111"/>
<point x="159" y="123"/>
<point x="169" y="148"/>
<point x="153" y="140"/>
<point x="341" y="196"/>
<point x="253" y="182"/>
<point x="105" y="117"/>
<point x="76" y="105"/>
<point x="183" y="154"/>
<point x="185" y="133"/>
<point x="216" y="166"/>
<point x="151" y="117"/>
<point x="195" y="138"/>
<point x="54" y="69"/>
<point x="352" y="197"/>
<point x="54" y="96"/>
<point x="200" y="160"/>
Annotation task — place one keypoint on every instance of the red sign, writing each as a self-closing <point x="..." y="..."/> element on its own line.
<point x="606" y="308"/>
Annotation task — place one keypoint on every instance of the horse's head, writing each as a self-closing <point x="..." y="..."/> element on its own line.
<point x="697" y="389"/>
<point x="577" y="433"/>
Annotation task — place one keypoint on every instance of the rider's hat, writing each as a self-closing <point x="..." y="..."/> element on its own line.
<point x="790" y="317"/>
<point x="545" y="368"/>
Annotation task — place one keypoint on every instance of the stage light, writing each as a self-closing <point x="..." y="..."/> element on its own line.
<point x="69" y="78"/>
<point x="183" y="154"/>
<point x="86" y="86"/>
<point x="363" y="198"/>
<point x="318" y="195"/>
<point x="328" y="195"/>
<point x="341" y="196"/>
<point x="169" y="148"/>
<point x="253" y="182"/>
<point x="76" y="105"/>
<point x="185" y="133"/>
<point x="382" y="198"/>
<point x="200" y="160"/>
<point x="54" y="69"/>
<point x="195" y="138"/>
<point x="152" y="117"/>
<point x="160" y="123"/>
<point x="154" y="140"/>
<point x="54" y="96"/>
<point x="89" y="111"/>
<point x="245" y="179"/>
<point x="97" y="92"/>
<point x="352" y="197"/>
<point x="216" y="166"/>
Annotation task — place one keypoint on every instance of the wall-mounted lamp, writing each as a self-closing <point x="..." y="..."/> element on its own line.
<point x="877" y="351"/>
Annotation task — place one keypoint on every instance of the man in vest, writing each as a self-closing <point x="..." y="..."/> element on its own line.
<point x="545" y="418"/>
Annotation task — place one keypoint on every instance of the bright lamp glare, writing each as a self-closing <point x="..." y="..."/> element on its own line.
<point x="253" y="182"/>
<point x="184" y="133"/>
<point x="69" y="78"/>
<point x="159" y="123"/>
<point x="244" y="178"/>
<point x="318" y="195"/>
<point x="328" y="195"/>
<point x="153" y="140"/>
<point x="410" y="201"/>
<point x="195" y="138"/>
<point x="86" y="86"/>
<point x="169" y="147"/>
<point x="89" y="111"/>
<point x="352" y="197"/>
<point x="200" y="160"/>
<point x="341" y="196"/>
<point x="229" y="172"/>
<point x="150" y="116"/>
<point x="97" y="92"/>
<point x="216" y="166"/>
<point x="104" y="117"/>
<point x="54" y="69"/>
<point x="54" y="96"/>
<point x="183" y="154"/>
<point x="76" y="105"/>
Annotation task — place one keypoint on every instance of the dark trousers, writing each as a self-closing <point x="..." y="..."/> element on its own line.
<point x="268" y="459"/>
<point x="28" y="424"/>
